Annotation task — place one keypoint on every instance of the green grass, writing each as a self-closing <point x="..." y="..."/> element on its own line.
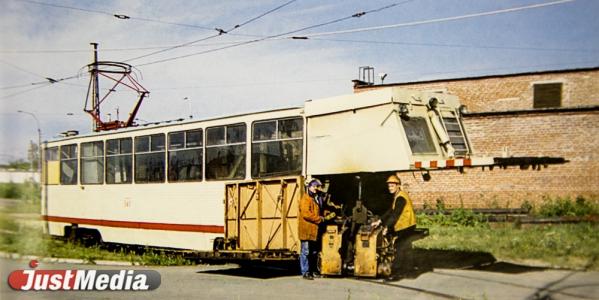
<point x="559" y="207"/>
<point x="28" y="193"/>
<point x="559" y="245"/>
<point x="563" y="245"/>
<point x="20" y="237"/>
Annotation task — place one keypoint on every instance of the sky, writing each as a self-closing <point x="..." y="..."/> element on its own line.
<point x="190" y="70"/>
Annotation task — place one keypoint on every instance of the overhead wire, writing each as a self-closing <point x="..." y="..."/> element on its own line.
<point x="118" y="16"/>
<point x="26" y="91"/>
<point x="21" y="69"/>
<point x="386" y="26"/>
<point x="53" y="51"/>
<point x="452" y="45"/>
<point x="424" y="44"/>
<point x="220" y="32"/>
<point x="439" y="20"/>
<point x="355" y="15"/>
<point x="48" y="80"/>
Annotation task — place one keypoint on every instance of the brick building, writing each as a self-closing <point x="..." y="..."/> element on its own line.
<point x="548" y="113"/>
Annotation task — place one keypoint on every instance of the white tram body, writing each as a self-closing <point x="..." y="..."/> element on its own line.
<point x="164" y="185"/>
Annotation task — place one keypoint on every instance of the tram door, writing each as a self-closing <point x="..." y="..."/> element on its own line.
<point x="262" y="214"/>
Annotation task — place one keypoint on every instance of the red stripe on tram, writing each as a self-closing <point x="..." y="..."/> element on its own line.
<point x="139" y="225"/>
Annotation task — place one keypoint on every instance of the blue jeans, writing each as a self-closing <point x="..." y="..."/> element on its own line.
<point x="307" y="247"/>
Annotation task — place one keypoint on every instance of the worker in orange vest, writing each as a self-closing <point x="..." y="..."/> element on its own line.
<point x="400" y="222"/>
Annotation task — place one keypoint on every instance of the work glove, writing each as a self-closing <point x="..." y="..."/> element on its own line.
<point x="330" y="216"/>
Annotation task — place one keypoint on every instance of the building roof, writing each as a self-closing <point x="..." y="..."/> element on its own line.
<point x="358" y="84"/>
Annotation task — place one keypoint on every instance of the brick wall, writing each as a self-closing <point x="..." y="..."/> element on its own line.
<point x="570" y="135"/>
<point x="505" y="93"/>
<point x="573" y="135"/>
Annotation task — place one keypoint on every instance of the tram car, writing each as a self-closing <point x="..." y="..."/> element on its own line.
<point x="230" y="186"/>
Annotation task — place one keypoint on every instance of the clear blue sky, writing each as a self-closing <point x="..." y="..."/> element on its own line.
<point x="40" y="41"/>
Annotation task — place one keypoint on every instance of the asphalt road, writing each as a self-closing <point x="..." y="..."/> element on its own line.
<point x="496" y="281"/>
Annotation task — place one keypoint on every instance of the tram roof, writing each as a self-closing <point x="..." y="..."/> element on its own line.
<point x="172" y="123"/>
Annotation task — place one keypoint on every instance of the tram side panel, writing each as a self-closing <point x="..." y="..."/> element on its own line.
<point x="368" y="139"/>
<point x="261" y="216"/>
<point x="176" y="215"/>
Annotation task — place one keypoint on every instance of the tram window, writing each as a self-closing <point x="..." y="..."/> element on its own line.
<point x="277" y="154"/>
<point x="157" y="142"/>
<point x="118" y="146"/>
<point x="225" y="152"/>
<point x="142" y="144"/>
<point x="149" y="161"/>
<point x="68" y="164"/>
<point x="193" y="138"/>
<point x="92" y="163"/>
<point x="264" y="131"/>
<point x="185" y="156"/>
<point x="176" y="140"/>
<point x="291" y="128"/>
<point x="118" y="161"/>
<point x="419" y="137"/>
<point x="236" y="134"/>
<point x="215" y="136"/>
<point x="51" y="168"/>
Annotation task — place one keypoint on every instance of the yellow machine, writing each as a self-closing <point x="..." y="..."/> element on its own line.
<point x="352" y="246"/>
<point x="330" y="257"/>
<point x="365" y="256"/>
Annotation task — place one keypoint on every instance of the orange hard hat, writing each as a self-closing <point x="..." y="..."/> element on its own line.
<point x="393" y="179"/>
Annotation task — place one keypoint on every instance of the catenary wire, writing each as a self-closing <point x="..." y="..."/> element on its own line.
<point x="439" y="20"/>
<point x="119" y="16"/>
<point x="21" y="69"/>
<point x="221" y="32"/>
<point x="494" y="12"/>
<point x="452" y="45"/>
<point x="356" y="15"/>
<point x="26" y="91"/>
<point x="414" y="75"/>
<point x="448" y="45"/>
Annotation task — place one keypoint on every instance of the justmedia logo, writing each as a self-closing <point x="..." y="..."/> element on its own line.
<point x="83" y="280"/>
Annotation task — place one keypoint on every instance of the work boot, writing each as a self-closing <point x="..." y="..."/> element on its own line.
<point x="316" y="275"/>
<point x="308" y="276"/>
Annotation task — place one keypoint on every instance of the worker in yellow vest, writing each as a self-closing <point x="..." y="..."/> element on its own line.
<point x="400" y="221"/>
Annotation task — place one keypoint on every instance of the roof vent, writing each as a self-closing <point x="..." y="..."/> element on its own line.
<point x="365" y="77"/>
<point x="69" y="133"/>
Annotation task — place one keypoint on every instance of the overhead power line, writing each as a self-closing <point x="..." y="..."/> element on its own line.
<point x="26" y="91"/>
<point x="48" y="80"/>
<point x="359" y="14"/>
<point x="451" y="45"/>
<point x="58" y="51"/>
<point x="21" y="69"/>
<point x="355" y="15"/>
<point x="116" y="15"/>
<point x="423" y="44"/>
<point x="220" y="32"/>
<point x="439" y="20"/>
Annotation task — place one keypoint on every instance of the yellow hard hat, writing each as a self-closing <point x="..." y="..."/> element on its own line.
<point x="393" y="179"/>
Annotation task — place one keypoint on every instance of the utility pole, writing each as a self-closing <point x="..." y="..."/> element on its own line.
<point x="95" y="87"/>
<point x="39" y="140"/>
